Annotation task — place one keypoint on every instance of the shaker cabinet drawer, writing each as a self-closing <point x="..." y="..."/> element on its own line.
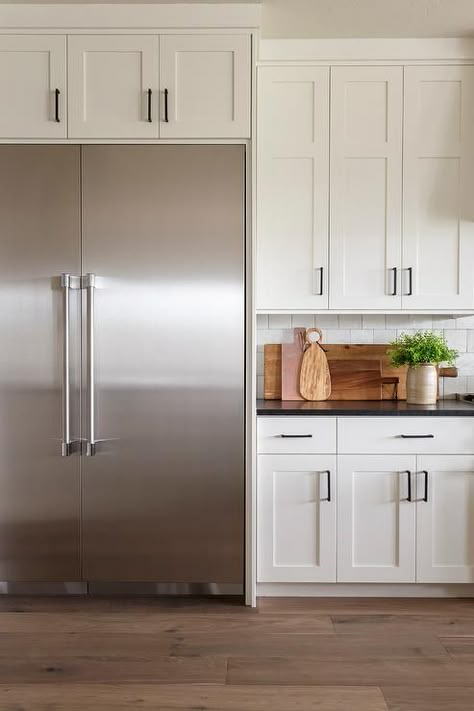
<point x="296" y="435"/>
<point x="406" y="435"/>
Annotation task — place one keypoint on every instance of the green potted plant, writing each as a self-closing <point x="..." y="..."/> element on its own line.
<point x="422" y="351"/>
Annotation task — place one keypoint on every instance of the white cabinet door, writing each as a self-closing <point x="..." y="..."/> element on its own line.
<point x="292" y="188"/>
<point x="296" y="522"/>
<point x="110" y="77"/>
<point x="445" y="522"/>
<point x="32" y="72"/>
<point x="366" y="187"/>
<point x="205" y="83"/>
<point x="438" y="175"/>
<point x="376" y="522"/>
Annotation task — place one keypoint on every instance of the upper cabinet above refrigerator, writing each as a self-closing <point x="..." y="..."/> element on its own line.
<point x="113" y="86"/>
<point x="205" y="83"/>
<point x="150" y="86"/>
<point x="33" y="86"/>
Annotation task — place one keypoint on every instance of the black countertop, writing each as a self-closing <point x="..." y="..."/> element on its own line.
<point x="365" y="408"/>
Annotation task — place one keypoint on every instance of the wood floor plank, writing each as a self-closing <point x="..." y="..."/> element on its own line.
<point x="367" y="672"/>
<point x="152" y="623"/>
<point x="61" y="697"/>
<point x="451" y="607"/>
<point x="113" y="670"/>
<point x="368" y="625"/>
<point x="435" y="699"/>
<point x="323" y="647"/>
<point x="459" y="647"/>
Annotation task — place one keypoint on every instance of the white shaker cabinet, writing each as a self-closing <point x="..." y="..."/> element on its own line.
<point x="445" y="519"/>
<point x="366" y="187"/>
<point x="438" y="234"/>
<point x="33" y="86"/>
<point x="296" y="518"/>
<point x="205" y="86"/>
<point x="292" y="188"/>
<point x="376" y="521"/>
<point x="110" y="78"/>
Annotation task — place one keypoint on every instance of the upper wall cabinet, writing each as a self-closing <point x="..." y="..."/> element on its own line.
<point x="366" y="187"/>
<point x="205" y="83"/>
<point x="33" y="86"/>
<point x="113" y="86"/>
<point x="292" y="188"/>
<point x="438" y="235"/>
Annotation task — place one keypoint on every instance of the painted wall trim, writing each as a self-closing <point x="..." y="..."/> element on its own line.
<point x="351" y="50"/>
<point x="124" y="16"/>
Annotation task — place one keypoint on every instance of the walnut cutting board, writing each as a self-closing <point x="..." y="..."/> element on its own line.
<point x="356" y="379"/>
<point x="272" y="371"/>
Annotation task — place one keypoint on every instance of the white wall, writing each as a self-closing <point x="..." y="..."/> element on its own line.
<point x="375" y="329"/>
<point x="367" y="18"/>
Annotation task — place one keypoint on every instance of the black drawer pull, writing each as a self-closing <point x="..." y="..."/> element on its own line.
<point x="328" y="473"/>
<point x="428" y="436"/>
<point x="296" y="436"/>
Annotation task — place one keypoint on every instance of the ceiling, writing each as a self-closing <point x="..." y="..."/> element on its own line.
<point x="350" y="18"/>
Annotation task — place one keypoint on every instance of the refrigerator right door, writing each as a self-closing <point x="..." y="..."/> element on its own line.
<point x="163" y="377"/>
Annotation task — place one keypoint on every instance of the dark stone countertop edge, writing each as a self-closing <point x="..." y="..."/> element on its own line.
<point x="384" y="408"/>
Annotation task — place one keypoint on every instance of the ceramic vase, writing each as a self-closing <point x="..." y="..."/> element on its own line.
<point x="422" y="385"/>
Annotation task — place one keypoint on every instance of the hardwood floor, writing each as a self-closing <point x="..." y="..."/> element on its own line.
<point x="97" y="654"/>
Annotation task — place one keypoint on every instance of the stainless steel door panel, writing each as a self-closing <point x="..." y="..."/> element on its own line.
<point x="163" y="232"/>
<point x="39" y="239"/>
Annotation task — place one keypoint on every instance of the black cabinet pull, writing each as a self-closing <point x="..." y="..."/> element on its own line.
<point x="57" y="94"/>
<point x="321" y="281"/>
<point x="149" y="100"/>
<point x="395" y="281"/>
<point x="410" y="281"/>
<point x="166" y="106"/>
<point x="425" y="496"/>
<point x="427" y="436"/>
<point x="328" y="474"/>
<point x="409" y="497"/>
<point x="295" y="436"/>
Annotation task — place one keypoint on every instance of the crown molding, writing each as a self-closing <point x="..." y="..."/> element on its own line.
<point x="374" y="50"/>
<point x="120" y="16"/>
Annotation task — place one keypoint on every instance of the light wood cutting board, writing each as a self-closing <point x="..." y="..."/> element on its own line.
<point x="315" y="378"/>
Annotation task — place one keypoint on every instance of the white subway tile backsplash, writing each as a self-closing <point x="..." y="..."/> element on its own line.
<point x="350" y="321"/>
<point x="274" y="336"/>
<point x="302" y="321"/>
<point x="385" y="335"/>
<point x="279" y="321"/>
<point x="470" y="341"/>
<point x="374" y="328"/>
<point x="326" y="321"/>
<point x="362" y="335"/>
<point x="457" y="339"/>
<point x="338" y="335"/>
<point x="465" y="322"/>
<point x="374" y="321"/>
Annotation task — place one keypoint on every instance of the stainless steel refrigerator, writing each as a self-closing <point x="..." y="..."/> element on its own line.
<point x="122" y="314"/>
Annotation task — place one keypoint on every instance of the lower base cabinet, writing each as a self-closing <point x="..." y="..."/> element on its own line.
<point x="297" y="518"/>
<point x="365" y="518"/>
<point x="376" y="520"/>
<point x="445" y="521"/>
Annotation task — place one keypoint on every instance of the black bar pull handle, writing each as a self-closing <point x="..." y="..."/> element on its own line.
<point x="166" y="92"/>
<point x="57" y="94"/>
<point x="149" y="106"/>
<point x="410" y="282"/>
<point x="426" y="436"/>
<point x="320" y="291"/>
<point x="395" y="281"/>
<point x="409" y="496"/>
<point x="295" y="436"/>
<point x="425" y="495"/>
<point x="328" y="474"/>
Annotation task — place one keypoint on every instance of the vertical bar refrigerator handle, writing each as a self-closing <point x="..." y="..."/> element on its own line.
<point x="91" y="441"/>
<point x="66" y="415"/>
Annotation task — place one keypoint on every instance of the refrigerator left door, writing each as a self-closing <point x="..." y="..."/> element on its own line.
<point x="40" y="239"/>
